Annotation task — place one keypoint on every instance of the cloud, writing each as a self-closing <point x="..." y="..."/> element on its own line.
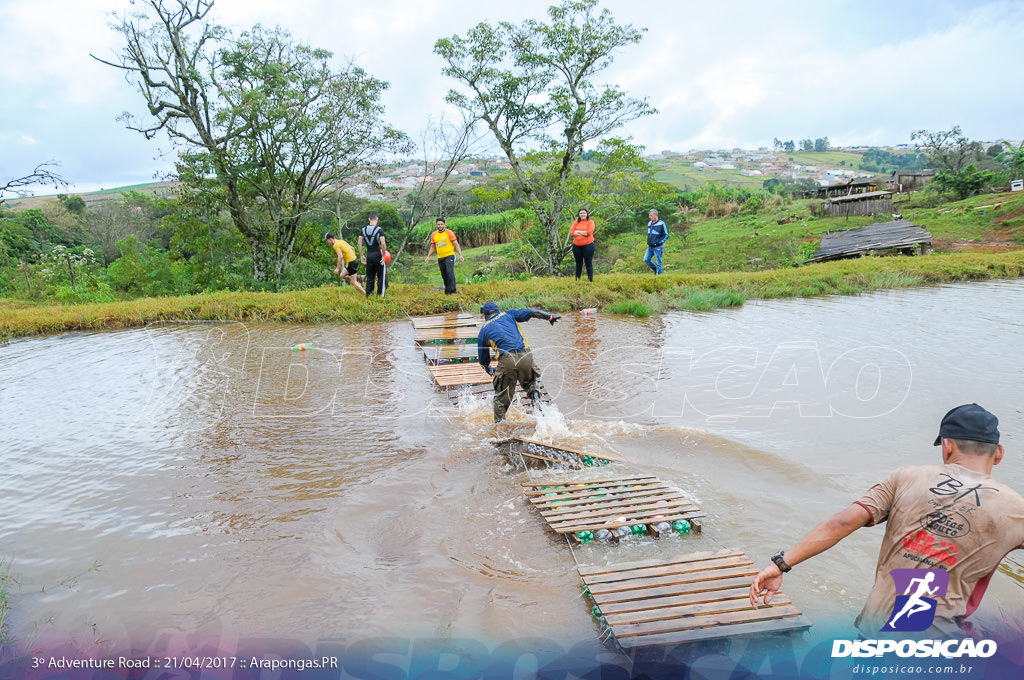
<point x="721" y="74"/>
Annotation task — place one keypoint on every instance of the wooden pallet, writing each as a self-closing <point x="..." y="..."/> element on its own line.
<point x="687" y="598"/>
<point x="545" y="455"/>
<point x="633" y="500"/>
<point x="454" y="375"/>
<point x="445" y="335"/>
<point x="453" y="320"/>
<point x="450" y="354"/>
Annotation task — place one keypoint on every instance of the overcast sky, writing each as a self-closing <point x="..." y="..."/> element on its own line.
<point x="721" y="73"/>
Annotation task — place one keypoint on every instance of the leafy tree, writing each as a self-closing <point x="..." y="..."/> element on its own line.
<point x="73" y="204"/>
<point x="993" y="150"/>
<point x="777" y="144"/>
<point x="265" y="125"/>
<point x="535" y="84"/>
<point x="806" y="145"/>
<point x="789" y="146"/>
<point x="948" y="150"/>
<point x="1012" y="157"/>
<point x="965" y="183"/>
<point x="821" y="144"/>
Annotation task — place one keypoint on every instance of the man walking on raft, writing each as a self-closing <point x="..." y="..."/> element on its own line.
<point x="501" y="332"/>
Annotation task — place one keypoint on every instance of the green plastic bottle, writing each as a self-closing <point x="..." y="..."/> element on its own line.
<point x="682" y="526"/>
<point x="303" y="346"/>
<point x="585" y="536"/>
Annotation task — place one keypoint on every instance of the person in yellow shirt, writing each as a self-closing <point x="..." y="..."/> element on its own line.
<point x="348" y="265"/>
<point x="443" y="239"/>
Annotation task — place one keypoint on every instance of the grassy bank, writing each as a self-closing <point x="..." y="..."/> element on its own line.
<point x="637" y="294"/>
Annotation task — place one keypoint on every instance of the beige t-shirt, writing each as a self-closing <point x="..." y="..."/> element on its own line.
<point x="940" y="516"/>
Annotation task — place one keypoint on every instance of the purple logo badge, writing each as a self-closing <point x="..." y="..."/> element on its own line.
<point x="914" y="610"/>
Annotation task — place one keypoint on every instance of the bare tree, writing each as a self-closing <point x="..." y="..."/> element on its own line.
<point x="41" y="176"/>
<point x="445" y="145"/>
<point x="948" y="150"/>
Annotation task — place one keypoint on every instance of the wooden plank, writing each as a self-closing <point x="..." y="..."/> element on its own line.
<point x="622" y="568"/>
<point x="447" y="375"/>
<point x="695" y="583"/>
<point x="464" y="333"/>
<point x="786" y="625"/>
<point x="538" y="487"/>
<point x="704" y="607"/>
<point x="450" y="320"/>
<point x="723" y="619"/>
<point x="740" y="565"/>
<point x="703" y="591"/>
<point x="616" y="517"/>
<point x="671" y="498"/>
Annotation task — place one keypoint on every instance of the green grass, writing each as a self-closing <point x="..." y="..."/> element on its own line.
<point x="625" y="293"/>
<point x="820" y="158"/>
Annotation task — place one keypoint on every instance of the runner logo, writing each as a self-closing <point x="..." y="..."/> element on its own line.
<point x="914" y="610"/>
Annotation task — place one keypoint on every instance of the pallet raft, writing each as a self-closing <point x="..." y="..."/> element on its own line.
<point x="452" y="320"/>
<point x="450" y="354"/>
<point x="532" y="451"/>
<point x="445" y="335"/>
<point x="637" y="504"/>
<point x="687" y="598"/>
<point x="457" y="375"/>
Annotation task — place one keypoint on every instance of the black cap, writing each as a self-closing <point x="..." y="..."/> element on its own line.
<point x="969" y="421"/>
<point x="328" y="235"/>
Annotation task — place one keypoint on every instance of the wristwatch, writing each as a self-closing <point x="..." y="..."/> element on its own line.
<point x="781" y="563"/>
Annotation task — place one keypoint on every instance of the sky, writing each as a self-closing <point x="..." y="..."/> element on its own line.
<point x="722" y="74"/>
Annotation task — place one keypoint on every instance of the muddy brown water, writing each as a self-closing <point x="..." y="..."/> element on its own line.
<point x="205" y="482"/>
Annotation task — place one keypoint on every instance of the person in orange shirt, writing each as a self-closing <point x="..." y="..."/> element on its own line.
<point x="443" y="239"/>
<point x="583" y="247"/>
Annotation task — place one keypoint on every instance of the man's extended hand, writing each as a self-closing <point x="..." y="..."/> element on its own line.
<point x="553" y="318"/>
<point x="766" y="583"/>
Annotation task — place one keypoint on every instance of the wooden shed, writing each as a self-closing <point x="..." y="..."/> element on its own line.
<point x="902" y="181"/>
<point x="870" y="203"/>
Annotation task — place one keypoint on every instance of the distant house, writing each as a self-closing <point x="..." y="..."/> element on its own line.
<point x="869" y="203"/>
<point x="857" y="185"/>
<point x="909" y="180"/>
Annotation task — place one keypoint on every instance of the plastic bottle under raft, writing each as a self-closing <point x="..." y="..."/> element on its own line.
<point x="682" y="526"/>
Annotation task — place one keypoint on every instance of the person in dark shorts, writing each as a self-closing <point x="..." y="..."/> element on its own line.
<point x="372" y="238"/>
<point x="348" y="265"/>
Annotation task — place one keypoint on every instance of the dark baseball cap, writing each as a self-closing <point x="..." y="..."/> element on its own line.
<point x="969" y="421"/>
<point x="489" y="308"/>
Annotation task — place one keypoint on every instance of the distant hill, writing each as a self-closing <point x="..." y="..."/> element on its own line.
<point x="92" y="198"/>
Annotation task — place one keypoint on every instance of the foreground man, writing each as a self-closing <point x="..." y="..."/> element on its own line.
<point x="501" y="333"/>
<point x="949" y="522"/>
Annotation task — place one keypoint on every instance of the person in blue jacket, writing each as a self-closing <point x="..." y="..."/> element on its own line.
<point x="657" y="234"/>
<point x="502" y="334"/>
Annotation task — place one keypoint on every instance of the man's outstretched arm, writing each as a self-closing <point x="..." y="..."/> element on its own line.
<point x="818" y="540"/>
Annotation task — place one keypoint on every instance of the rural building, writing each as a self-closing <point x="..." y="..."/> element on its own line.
<point x="909" y="180"/>
<point x="869" y="203"/>
<point x="860" y="185"/>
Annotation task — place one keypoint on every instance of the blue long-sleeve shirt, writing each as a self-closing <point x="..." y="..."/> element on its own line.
<point x="502" y="333"/>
